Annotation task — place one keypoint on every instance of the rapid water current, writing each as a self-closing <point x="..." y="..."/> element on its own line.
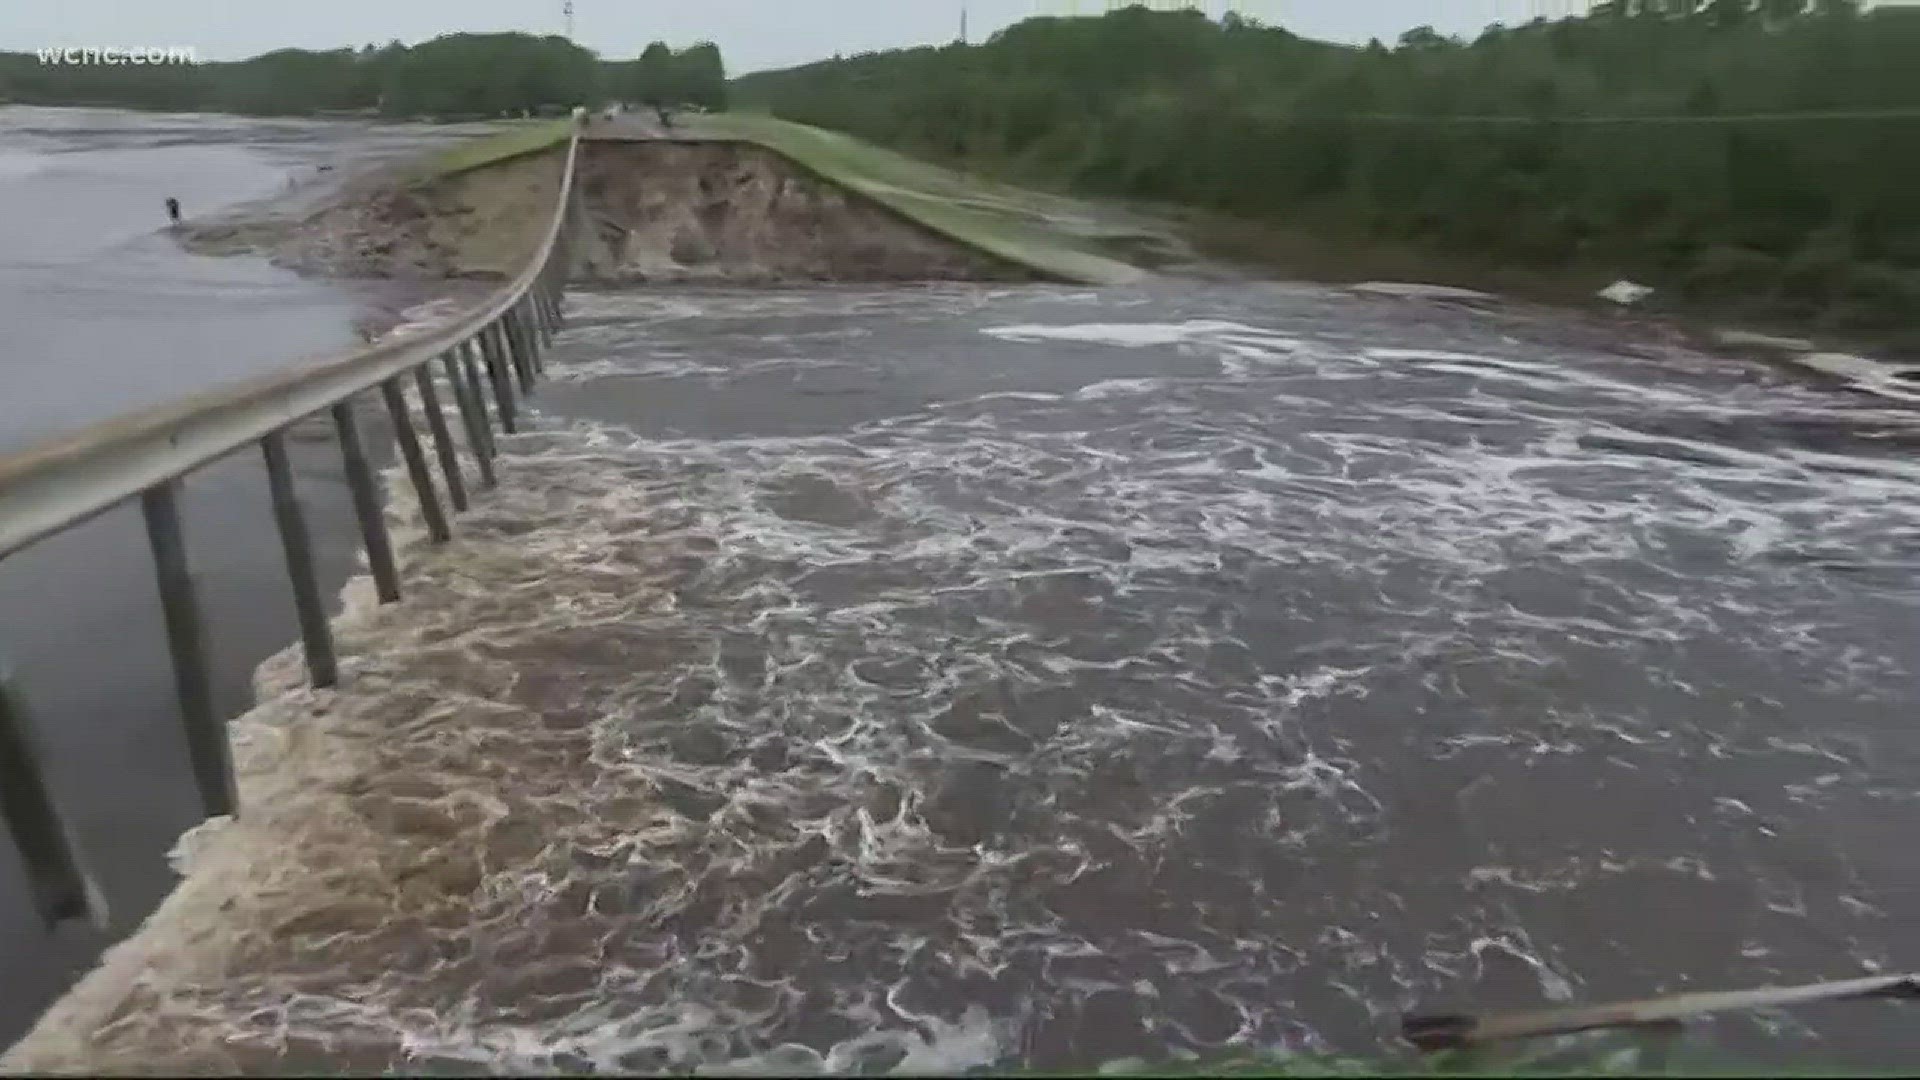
<point x="962" y="676"/>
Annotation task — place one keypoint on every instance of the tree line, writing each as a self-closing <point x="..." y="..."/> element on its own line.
<point x="1761" y="151"/>
<point x="663" y="77"/>
<point x="451" y="77"/>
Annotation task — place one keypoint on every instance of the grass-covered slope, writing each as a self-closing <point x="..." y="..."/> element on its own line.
<point x="1056" y="237"/>
<point x="1752" y="155"/>
<point x="512" y="140"/>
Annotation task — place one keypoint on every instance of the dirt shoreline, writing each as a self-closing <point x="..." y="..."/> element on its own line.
<point x="735" y="213"/>
<point x="657" y="212"/>
<point x="395" y="244"/>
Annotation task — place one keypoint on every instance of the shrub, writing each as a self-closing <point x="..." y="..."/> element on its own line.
<point x="1722" y="272"/>
<point x="1876" y="297"/>
<point x="1818" y="271"/>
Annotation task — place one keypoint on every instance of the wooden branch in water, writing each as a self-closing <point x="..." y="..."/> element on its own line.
<point x="1454" y="1031"/>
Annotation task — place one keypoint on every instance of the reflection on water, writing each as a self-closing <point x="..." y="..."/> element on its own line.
<point x="949" y="677"/>
<point x="104" y="312"/>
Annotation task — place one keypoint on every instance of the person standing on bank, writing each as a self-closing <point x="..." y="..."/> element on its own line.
<point x="173" y="209"/>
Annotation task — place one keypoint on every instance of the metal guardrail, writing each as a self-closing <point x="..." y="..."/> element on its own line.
<point x="1662" y="1018"/>
<point x="493" y="351"/>
<point x="1459" y="1031"/>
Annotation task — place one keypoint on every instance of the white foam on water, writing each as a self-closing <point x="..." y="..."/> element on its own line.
<point x="1418" y="291"/>
<point x="914" y="742"/>
<point x="1109" y="388"/>
<point x="1124" y="335"/>
<point x="428" y="315"/>
<point x="1442" y="356"/>
<point x="1895" y="382"/>
<point x="661" y="367"/>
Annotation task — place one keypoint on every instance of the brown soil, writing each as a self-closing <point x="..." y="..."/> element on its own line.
<point x="739" y="214"/>
<point x="478" y="224"/>
<point x="716" y="213"/>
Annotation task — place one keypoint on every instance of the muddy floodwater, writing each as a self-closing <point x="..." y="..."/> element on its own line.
<point x="935" y="678"/>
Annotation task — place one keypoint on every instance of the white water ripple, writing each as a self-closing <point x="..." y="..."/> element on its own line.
<point x="1226" y="681"/>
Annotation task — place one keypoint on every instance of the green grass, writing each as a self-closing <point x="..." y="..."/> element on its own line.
<point x="513" y="139"/>
<point x="1057" y="237"/>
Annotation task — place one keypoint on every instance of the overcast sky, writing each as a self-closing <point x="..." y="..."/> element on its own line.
<point x="754" y="34"/>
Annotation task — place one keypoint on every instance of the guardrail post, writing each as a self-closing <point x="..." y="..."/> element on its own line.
<point x="541" y="333"/>
<point x="467" y="394"/>
<point x="533" y="328"/>
<point x="366" y="505"/>
<point x="523" y="344"/>
<point x="492" y="347"/>
<point x="533" y="315"/>
<point x="57" y="879"/>
<point x="556" y="281"/>
<point x="471" y="364"/>
<point x="574" y="223"/>
<point x="207" y="748"/>
<point x="442" y="438"/>
<point x="416" y="462"/>
<point x="316" y="636"/>
<point x="523" y="366"/>
<point x="542" y="314"/>
<point x="518" y="346"/>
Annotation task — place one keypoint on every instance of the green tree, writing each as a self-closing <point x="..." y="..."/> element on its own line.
<point x="1619" y="137"/>
<point x="703" y="77"/>
<point x="453" y="75"/>
<point x="655" y="78"/>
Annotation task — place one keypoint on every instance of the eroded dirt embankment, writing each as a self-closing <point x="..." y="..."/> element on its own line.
<point x="384" y="224"/>
<point x="732" y="212"/>
<point x="712" y="212"/>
